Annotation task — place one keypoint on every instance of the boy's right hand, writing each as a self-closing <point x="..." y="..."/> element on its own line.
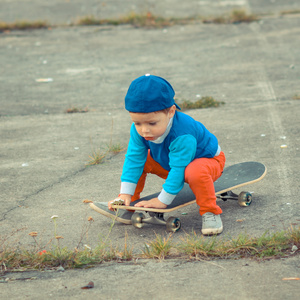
<point x="125" y="197"/>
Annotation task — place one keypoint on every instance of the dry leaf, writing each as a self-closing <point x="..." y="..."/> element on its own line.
<point x="33" y="233"/>
<point x="90" y="285"/>
<point x="87" y="201"/>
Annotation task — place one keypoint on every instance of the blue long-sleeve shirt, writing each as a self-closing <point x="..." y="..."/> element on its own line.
<point x="186" y="140"/>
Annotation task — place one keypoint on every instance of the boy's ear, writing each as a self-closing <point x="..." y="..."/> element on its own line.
<point x="172" y="111"/>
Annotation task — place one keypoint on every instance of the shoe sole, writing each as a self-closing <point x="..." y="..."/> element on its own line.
<point x="110" y="215"/>
<point x="211" y="231"/>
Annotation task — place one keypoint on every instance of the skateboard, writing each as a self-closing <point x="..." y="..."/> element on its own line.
<point x="233" y="177"/>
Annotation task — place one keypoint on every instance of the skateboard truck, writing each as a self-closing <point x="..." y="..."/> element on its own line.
<point x="138" y="220"/>
<point x="244" y="198"/>
<point x="173" y="224"/>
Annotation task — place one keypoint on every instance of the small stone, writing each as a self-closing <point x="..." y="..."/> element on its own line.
<point x="60" y="269"/>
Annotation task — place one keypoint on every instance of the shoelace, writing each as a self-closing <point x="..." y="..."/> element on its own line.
<point x="209" y="217"/>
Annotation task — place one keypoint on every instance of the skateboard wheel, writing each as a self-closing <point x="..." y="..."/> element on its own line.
<point x="245" y="199"/>
<point x="173" y="224"/>
<point x="137" y="220"/>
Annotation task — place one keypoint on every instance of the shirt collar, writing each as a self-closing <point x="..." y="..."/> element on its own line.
<point x="160" y="139"/>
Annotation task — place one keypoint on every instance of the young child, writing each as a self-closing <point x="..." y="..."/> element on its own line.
<point x="173" y="146"/>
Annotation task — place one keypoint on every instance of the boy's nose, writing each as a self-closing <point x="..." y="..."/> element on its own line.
<point x="145" y="129"/>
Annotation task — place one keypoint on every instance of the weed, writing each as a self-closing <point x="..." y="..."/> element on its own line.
<point x="89" y="21"/>
<point x="215" y="20"/>
<point x="241" y="16"/>
<point x="266" y="246"/>
<point x="235" y="17"/>
<point x="147" y="20"/>
<point x="241" y="246"/>
<point x="23" y="25"/>
<point x="296" y="97"/>
<point x="56" y="255"/>
<point x="75" y="109"/>
<point x="290" y="12"/>
<point x="96" y="158"/>
<point x="159" y="248"/>
<point x="115" y="148"/>
<point x="196" y="246"/>
<point x="278" y="244"/>
<point x="55" y="224"/>
<point x="99" y="156"/>
<point x="85" y="231"/>
<point x="203" y="102"/>
<point x="126" y="254"/>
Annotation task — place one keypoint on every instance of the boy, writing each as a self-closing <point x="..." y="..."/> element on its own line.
<point x="171" y="145"/>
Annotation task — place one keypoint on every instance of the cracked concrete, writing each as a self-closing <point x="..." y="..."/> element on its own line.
<point x="253" y="68"/>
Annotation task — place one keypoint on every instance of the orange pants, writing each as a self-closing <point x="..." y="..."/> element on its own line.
<point x="200" y="174"/>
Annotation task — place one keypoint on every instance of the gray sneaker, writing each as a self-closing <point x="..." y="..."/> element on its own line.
<point x="211" y="224"/>
<point x="123" y="216"/>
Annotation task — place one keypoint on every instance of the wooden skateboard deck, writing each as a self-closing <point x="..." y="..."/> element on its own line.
<point x="233" y="177"/>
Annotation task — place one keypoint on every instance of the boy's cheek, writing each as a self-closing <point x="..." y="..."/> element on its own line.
<point x="138" y="130"/>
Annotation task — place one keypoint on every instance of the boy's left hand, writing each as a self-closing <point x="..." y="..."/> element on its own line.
<point x="153" y="203"/>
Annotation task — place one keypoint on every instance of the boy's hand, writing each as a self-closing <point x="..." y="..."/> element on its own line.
<point x="125" y="197"/>
<point x="153" y="203"/>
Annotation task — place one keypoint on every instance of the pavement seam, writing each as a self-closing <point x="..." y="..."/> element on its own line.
<point x="274" y="118"/>
<point x="22" y="202"/>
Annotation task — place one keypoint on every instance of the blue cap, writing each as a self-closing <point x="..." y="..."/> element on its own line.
<point x="149" y="93"/>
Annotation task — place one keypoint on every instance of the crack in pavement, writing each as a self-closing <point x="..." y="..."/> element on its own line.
<point x="22" y="202"/>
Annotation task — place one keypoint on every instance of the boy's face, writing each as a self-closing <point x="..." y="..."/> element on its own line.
<point x="152" y="125"/>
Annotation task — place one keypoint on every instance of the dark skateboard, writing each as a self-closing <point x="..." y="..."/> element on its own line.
<point x="233" y="177"/>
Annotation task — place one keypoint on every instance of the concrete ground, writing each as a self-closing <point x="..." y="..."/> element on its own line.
<point x="254" y="68"/>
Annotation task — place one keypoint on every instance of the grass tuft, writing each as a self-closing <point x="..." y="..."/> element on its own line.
<point x="53" y="254"/>
<point x="96" y="158"/>
<point x="235" y="17"/>
<point x="23" y="25"/>
<point x="274" y="245"/>
<point x="195" y="246"/>
<point x="115" y="148"/>
<point x="241" y="16"/>
<point x="147" y="20"/>
<point x="159" y="248"/>
<point x="75" y="109"/>
<point x="203" y="102"/>
<point x="144" y="20"/>
<point x="290" y="12"/>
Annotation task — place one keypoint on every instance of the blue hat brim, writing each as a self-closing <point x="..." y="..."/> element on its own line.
<point x="177" y="106"/>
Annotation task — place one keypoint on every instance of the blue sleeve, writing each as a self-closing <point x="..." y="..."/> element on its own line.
<point x="135" y="158"/>
<point x="182" y="152"/>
